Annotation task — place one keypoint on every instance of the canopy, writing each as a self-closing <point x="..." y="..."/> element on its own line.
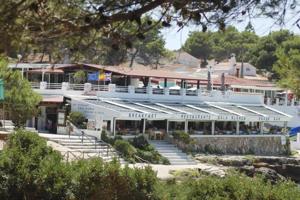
<point x="294" y="131"/>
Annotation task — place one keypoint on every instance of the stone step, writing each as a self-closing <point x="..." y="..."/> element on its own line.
<point x="172" y="153"/>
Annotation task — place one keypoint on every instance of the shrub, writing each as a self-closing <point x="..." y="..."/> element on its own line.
<point x="234" y="186"/>
<point x="78" y="119"/>
<point x="140" y="142"/>
<point x="79" y="77"/>
<point x="182" y="136"/>
<point x="126" y="149"/>
<point x="29" y="169"/>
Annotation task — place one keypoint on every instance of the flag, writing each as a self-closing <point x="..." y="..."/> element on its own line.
<point x="108" y="76"/>
<point x="93" y="76"/>
<point x="101" y="76"/>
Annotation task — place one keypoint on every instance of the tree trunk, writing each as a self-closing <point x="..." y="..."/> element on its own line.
<point x="133" y="57"/>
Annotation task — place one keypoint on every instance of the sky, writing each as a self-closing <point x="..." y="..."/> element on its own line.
<point x="263" y="26"/>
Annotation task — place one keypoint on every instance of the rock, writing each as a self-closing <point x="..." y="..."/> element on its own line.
<point x="260" y="164"/>
<point x="269" y="174"/>
<point x="248" y="170"/>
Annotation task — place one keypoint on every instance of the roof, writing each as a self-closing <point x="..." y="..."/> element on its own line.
<point x="47" y="70"/>
<point x="192" y="111"/>
<point x="53" y="99"/>
<point x="144" y="72"/>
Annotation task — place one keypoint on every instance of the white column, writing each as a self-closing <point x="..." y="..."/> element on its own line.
<point x="261" y="126"/>
<point x="277" y="101"/>
<point x="114" y="126"/>
<point x="186" y="124"/>
<point x="237" y="128"/>
<point x="293" y="101"/>
<point x="285" y="128"/>
<point x="144" y="125"/>
<point x="213" y="127"/>
<point x="286" y="98"/>
<point x="268" y="101"/>
<point x="167" y="128"/>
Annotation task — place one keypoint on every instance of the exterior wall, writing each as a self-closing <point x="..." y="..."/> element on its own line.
<point x="215" y="96"/>
<point x="294" y="111"/>
<point x="248" y="144"/>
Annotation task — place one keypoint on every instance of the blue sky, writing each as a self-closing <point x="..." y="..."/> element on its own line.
<point x="262" y="26"/>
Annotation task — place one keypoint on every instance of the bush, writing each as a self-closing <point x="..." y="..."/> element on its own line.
<point x="79" y="77"/>
<point x="78" y="119"/>
<point x="182" y="136"/>
<point x="126" y="149"/>
<point x="140" y="142"/>
<point x="29" y="169"/>
<point x="234" y="186"/>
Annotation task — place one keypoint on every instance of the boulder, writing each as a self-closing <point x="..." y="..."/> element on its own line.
<point x="269" y="174"/>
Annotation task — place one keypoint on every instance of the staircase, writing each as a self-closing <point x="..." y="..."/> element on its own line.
<point x="172" y="153"/>
<point x="75" y="147"/>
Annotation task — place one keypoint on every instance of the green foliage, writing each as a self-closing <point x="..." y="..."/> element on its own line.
<point x="182" y="136"/>
<point x="80" y="77"/>
<point x="140" y="142"/>
<point x="29" y="169"/>
<point x="78" y="119"/>
<point x="232" y="187"/>
<point x="220" y="45"/>
<point x="288" y="64"/>
<point x="126" y="149"/>
<point x="20" y="100"/>
<point x="135" y="149"/>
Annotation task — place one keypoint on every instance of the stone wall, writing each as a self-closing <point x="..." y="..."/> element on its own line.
<point x="257" y="145"/>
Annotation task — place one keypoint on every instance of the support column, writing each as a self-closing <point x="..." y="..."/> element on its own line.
<point x="285" y="128"/>
<point x="213" y="127"/>
<point x="165" y="83"/>
<point x="198" y="84"/>
<point x="186" y="124"/>
<point x="167" y="127"/>
<point x="144" y="126"/>
<point x="237" y="128"/>
<point x="261" y="126"/>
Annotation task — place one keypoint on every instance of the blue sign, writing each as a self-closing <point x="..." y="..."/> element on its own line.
<point x="93" y="76"/>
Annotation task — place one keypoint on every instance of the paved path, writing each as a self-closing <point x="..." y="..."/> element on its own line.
<point x="163" y="171"/>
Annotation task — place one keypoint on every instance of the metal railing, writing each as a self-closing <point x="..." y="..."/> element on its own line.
<point x="140" y="90"/>
<point x="35" y="85"/>
<point x="174" y="92"/>
<point x="74" y="86"/>
<point x="99" y="88"/>
<point x="93" y="139"/>
<point x="54" y="85"/>
<point x="157" y="91"/>
<point x="122" y="89"/>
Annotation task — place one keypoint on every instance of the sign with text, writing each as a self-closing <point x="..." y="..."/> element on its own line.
<point x="89" y="110"/>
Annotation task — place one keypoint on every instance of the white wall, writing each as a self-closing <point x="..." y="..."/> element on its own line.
<point x="290" y="110"/>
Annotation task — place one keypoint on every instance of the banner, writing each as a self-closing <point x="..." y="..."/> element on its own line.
<point x="108" y="76"/>
<point x="93" y="76"/>
<point x="101" y="76"/>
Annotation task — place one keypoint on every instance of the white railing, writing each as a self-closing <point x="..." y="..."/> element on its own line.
<point x="122" y="89"/>
<point x="99" y="87"/>
<point x="157" y="91"/>
<point x="76" y="86"/>
<point x="35" y="85"/>
<point x="174" y="92"/>
<point x="54" y="85"/>
<point x="191" y="93"/>
<point x="141" y="90"/>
